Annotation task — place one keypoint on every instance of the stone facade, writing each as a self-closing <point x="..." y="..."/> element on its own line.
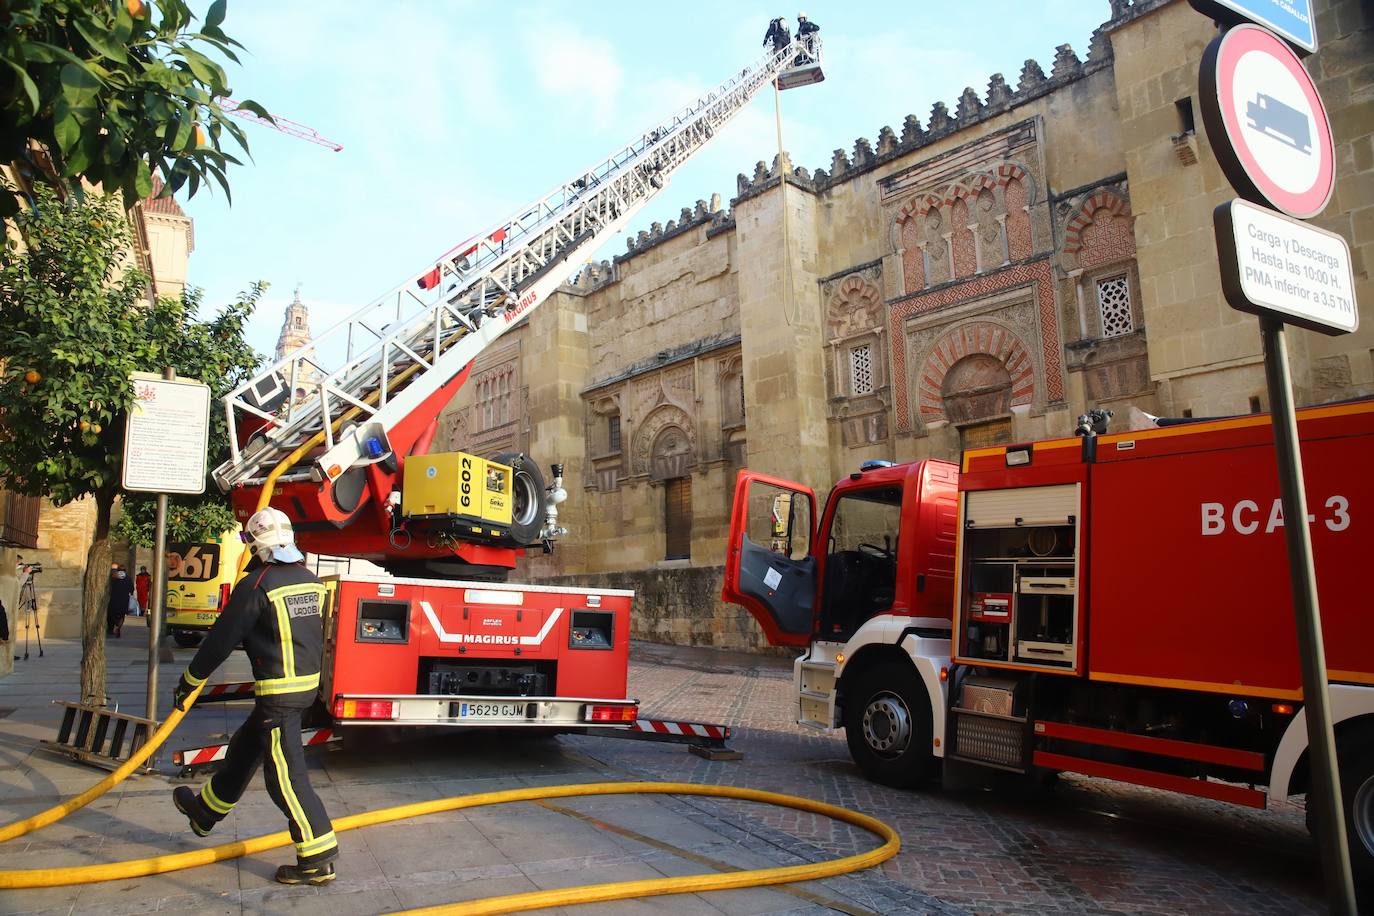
<point x="983" y="276"/>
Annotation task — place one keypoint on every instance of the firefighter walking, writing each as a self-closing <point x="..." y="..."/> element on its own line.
<point x="276" y="613"/>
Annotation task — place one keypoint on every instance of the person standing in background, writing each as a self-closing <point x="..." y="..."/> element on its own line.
<point x="143" y="584"/>
<point x="121" y="591"/>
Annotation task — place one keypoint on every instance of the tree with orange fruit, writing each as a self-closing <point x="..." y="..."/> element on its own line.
<point x="111" y="92"/>
<point x="76" y="325"/>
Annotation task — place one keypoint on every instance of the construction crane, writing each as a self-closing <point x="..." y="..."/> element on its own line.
<point x="327" y="429"/>
<point x="277" y="122"/>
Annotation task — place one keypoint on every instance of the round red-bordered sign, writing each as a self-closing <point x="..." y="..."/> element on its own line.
<point x="1266" y="122"/>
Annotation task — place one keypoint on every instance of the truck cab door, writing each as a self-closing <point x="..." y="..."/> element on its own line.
<point x="770" y="568"/>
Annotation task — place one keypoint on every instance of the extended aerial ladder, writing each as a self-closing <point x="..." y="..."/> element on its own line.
<point x="328" y="427"/>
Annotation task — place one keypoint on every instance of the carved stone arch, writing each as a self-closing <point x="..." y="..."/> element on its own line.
<point x="968" y="186"/>
<point x="1087" y="213"/>
<point x="855" y="305"/>
<point x="911" y="239"/>
<point x="1009" y="171"/>
<point x="914" y="209"/>
<point x="654" y="453"/>
<point x="979" y="337"/>
<point x="1018" y="195"/>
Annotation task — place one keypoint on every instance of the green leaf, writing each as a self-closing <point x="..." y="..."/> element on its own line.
<point x="66" y="131"/>
<point x="30" y="89"/>
<point x="183" y="135"/>
<point x="143" y="180"/>
<point x="205" y="70"/>
<point x="215" y="15"/>
<point x="106" y="45"/>
<point x="255" y="108"/>
<point x="79" y="85"/>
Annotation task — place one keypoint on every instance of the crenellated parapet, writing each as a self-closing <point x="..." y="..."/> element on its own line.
<point x="705" y="213"/>
<point x="972" y="108"/>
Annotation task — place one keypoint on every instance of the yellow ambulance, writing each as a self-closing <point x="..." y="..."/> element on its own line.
<point x="199" y="580"/>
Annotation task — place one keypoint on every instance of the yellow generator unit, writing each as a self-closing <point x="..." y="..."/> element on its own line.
<point x="472" y="494"/>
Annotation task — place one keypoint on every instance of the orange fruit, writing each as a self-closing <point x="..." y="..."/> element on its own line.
<point x="136" y="8"/>
<point x="32" y="377"/>
<point x="84" y="425"/>
<point x="200" y="135"/>
<point x="96" y="429"/>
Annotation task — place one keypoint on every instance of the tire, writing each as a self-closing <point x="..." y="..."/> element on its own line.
<point x="1355" y="762"/>
<point x="185" y="639"/>
<point x="527" y="498"/>
<point x="887" y="725"/>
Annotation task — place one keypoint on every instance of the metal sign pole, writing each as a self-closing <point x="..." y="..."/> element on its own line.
<point x="159" y="591"/>
<point x="1324" y="793"/>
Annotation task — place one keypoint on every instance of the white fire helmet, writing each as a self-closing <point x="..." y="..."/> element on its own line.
<point x="270" y="536"/>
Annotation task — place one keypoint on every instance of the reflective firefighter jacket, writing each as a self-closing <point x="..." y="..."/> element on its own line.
<point x="276" y="612"/>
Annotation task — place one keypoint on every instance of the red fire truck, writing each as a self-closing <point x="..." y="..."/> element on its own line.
<point x="1116" y="606"/>
<point x="338" y="434"/>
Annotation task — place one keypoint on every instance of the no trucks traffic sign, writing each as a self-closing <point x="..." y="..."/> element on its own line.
<point x="1267" y="124"/>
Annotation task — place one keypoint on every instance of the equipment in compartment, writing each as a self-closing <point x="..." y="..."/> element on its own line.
<point x="1020" y="605"/>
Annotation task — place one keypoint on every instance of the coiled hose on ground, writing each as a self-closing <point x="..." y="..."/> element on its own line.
<point x="591" y="893"/>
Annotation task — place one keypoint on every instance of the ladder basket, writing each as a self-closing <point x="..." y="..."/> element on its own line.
<point x="99" y="735"/>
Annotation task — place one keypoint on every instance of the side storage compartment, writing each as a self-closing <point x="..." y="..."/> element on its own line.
<point x="1019" y="585"/>
<point x="983" y="725"/>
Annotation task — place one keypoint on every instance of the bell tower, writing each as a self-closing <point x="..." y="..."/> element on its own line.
<point x="295" y="329"/>
<point x="295" y="333"/>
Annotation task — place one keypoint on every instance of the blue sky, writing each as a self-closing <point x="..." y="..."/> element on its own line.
<point x="452" y="114"/>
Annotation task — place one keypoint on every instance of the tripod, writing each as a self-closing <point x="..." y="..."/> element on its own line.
<point x="28" y="607"/>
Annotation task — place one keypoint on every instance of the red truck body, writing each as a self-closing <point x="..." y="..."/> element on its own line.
<point x="429" y="652"/>
<point x="1120" y="607"/>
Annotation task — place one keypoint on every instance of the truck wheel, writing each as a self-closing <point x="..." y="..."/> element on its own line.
<point x="887" y="725"/>
<point x="186" y="640"/>
<point x="1355" y="759"/>
<point x="527" y="498"/>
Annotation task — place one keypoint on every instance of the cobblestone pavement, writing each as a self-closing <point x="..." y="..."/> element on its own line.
<point x="1087" y="846"/>
<point x="1082" y="846"/>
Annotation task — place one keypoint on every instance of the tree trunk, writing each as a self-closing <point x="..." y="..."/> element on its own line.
<point x="95" y="595"/>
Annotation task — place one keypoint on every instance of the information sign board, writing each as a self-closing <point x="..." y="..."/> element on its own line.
<point x="167" y="434"/>
<point x="1266" y="122"/>
<point x="1292" y="19"/>
<point x="1285" y="269"/>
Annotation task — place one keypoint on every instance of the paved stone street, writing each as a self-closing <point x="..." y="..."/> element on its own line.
<point x="1084" y="846"/>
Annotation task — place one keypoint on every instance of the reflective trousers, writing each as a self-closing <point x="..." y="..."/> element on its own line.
<point x="273" y="734"/>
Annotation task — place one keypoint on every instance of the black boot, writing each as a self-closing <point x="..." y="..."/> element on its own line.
<point x="189" y="804"/>
<point x="319" y="873"/>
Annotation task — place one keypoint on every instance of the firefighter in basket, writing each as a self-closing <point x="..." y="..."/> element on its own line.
<point x="276" y="613"/>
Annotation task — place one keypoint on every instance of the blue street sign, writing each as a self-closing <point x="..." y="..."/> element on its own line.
<point x="1289" y="19"/>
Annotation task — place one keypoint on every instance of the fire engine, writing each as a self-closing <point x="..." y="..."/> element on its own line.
<point x="338" y="433"/>
<point x="1113" y="605"/>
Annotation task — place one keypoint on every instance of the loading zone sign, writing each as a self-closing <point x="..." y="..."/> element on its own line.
<point x="1266" y="122"/>
<point x="1284" y="269"/>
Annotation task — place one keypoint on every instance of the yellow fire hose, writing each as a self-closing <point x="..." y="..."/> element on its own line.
<point x="591" y="893"/>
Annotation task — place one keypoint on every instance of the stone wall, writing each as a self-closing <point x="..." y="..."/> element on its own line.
<point x="679" y="607"/>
